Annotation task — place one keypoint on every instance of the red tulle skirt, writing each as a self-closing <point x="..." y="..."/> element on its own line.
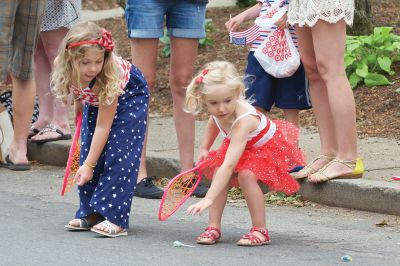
<point x="270" y="162"/>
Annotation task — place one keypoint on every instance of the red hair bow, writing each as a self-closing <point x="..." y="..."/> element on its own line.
<point x="200" y="78"/>
<point x="105" y="41"/>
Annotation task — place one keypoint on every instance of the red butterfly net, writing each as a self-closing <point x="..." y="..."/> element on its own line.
<point x="73" y="158"/>
<point x="178" y="191"/>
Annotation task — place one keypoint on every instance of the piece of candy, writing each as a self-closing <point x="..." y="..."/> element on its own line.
<point x="180" y="244"/>
<point x="347" y="258"/>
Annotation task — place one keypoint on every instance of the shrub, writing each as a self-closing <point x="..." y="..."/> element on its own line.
<point x="245" y="3"/>
<point x="368" y="58"/>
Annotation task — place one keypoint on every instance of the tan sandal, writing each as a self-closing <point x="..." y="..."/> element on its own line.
<point x="255" y="240"/>
<point x="309" y="170"/>
<point x="209" y="237"/>
<point x="356" y="166"/>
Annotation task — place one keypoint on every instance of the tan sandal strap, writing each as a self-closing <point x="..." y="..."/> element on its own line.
<point x="321" y="156"/>
<point x="350" y="163"/>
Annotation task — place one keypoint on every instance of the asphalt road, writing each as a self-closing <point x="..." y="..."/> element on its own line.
<point x="33" y="217"/>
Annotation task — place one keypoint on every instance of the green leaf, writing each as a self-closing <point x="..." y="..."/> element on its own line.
<point x="371" y="58"/>
<point x="351" y="47"/>
<point x="385" y="64"/>
<point x="362" y="70"/>
<point x="397" y="90"/>
<point x="349" y="60"/>
<point x="373" y="79"/>
<point x="354" y="79"/>
<point x="382" y="30"/>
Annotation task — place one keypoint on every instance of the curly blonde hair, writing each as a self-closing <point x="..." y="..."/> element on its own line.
<point x="66" y="65"/>
<point x="213" y="73"/>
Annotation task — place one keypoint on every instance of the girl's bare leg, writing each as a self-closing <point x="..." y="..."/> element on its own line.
<point x="255" y="201"/>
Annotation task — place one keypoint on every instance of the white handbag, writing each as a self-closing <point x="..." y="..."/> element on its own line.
<point x="6" y="133"/>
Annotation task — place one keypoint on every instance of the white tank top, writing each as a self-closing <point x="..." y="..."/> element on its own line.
<point x="264" y="122"/>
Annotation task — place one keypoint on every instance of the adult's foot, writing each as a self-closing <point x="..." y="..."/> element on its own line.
<point x="146" y="189"/>
<point x="51" y="133"/>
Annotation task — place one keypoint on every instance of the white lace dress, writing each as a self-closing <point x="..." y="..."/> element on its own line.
<point x="308" y="12"/>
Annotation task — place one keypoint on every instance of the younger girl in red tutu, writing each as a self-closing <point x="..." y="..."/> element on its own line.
<point x="254" y="149"/>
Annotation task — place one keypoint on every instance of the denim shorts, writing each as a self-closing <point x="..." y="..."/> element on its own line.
<point x="183" y="19"/>
<point x="285" y="93"/>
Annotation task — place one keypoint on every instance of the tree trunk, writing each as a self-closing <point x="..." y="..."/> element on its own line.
<point x="362" y="24"/>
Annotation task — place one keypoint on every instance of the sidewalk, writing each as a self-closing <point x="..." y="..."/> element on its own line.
<point x="374" y="192"/>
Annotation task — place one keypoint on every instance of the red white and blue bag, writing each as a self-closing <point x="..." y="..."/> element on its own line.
<point x="277" y="54"/>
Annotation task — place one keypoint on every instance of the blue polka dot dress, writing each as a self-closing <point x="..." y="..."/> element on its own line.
<point x="111" y="190"/>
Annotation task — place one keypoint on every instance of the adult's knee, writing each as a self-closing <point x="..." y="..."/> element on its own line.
<point x="179" y="83"/>
<point x="311" y="71"/>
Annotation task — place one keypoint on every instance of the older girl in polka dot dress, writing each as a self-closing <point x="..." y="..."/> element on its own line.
<point x="254" y="149"/>
<point x="115" y="98"/>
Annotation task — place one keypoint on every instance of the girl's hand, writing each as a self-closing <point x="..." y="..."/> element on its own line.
<point x="202" y="155"/>
<point x="199" y="207"/>
<point x="281" y="23"/>
<point x="83" y="175"/>
<point x="233" y="23"/>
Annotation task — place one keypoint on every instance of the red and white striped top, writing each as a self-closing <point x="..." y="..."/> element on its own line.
<point x="87" y="95"/>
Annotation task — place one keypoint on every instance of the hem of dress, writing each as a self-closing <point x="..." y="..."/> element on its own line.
<point x="312" y="24"/>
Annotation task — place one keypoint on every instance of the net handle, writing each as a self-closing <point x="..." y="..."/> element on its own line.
<point x="78" y="124"/>
<point x="170" y="184"/>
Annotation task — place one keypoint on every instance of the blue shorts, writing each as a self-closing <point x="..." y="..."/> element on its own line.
<point x="285" y="93"/>
<point x="145" y="19"/>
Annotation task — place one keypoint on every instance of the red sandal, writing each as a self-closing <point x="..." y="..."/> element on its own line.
<point x="254" y="239"/>
<point x="209" y="237"/>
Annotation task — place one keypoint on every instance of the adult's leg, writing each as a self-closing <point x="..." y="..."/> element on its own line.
<point x="42" y="85"/>
<point x="51" y="110"/>
<point x="23" y="99"/>
<point x="319" y="99"/>
<point x="329" y="46"/>
<point x="144" y="56"/>
<point x="183" y="57"/>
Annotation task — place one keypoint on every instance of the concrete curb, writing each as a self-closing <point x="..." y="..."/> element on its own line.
<point x="360" y="194"/>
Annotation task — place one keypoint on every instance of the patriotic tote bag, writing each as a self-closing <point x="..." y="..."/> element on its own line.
<point x="277" y="54"/>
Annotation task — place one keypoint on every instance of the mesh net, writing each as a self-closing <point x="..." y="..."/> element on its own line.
<point x="178" y="190"/>
<point x="74" y="167"/>
<point x="73" y="158"/>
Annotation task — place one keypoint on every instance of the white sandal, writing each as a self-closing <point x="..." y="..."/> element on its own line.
<point x="111" y="230"/>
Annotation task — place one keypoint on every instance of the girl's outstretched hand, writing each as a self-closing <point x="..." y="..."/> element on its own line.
<point x="233" y="23"/>
<point x="83" y="175"/>
<point x="199" y="207"/>
<point x="202" y="155"/>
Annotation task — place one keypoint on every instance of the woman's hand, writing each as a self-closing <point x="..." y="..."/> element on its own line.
<point x="199" y="207"/>
<point x="83" y="175"/>
<point x="281" y="23"/>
